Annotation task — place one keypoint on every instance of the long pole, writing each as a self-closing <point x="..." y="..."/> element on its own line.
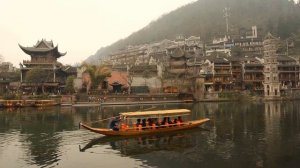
<point x="54" y="73"/>
<point x="287" y="48"/>
<point x="226" y="16"/>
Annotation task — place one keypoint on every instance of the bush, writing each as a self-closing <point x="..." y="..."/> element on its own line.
<point x="9" y="96"/>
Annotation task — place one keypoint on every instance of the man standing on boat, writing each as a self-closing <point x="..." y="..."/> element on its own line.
<point x="114" y="124"/>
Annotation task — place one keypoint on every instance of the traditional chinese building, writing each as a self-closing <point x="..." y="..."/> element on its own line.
<point x="253" y="75"/>
<point x="130" y="56"/>
<point x="288" y="71"/>
<point x="250" y="47"/>
<point x="44" y="55"/>
<point x="217" y="72"/>
<point x="237" y="73"/>
<point x="271" y="73"/>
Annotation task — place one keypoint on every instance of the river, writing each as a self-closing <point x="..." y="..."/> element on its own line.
<point x="239" y="135"/>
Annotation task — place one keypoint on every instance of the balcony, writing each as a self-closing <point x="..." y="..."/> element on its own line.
<point x="46" y="62"/>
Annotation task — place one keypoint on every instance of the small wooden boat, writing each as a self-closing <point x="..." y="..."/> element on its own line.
<point x="126" y="117"/>
<point x="44" y="103"/>
<point x="12" y="103"/>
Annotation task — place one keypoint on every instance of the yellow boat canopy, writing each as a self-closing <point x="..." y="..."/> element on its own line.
<point x="156" y="113"/>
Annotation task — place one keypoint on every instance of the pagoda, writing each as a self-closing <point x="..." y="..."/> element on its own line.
<point x="177" y="61"/>
<point x="271" y="78"/>
<point x="176" y="70"/>
<point x="44" y="55"/>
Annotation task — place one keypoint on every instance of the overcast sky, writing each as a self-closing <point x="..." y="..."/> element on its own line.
<point x="79" y="27"/>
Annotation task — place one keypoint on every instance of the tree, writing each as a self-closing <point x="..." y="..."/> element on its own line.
<point x="146" y="75"/>
<point x="89" y="76"/>
<point x="100" y="74"/>
<point x="236" y="51"/>
<point x="94" y="75"/>
<point x="129" y="81"/>
<point x="70" y="84"/>
<point x="1" y="58"/>
<point x="37" y="76"/>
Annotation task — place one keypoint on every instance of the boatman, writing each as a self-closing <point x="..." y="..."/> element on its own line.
<point x="114" y="124"/>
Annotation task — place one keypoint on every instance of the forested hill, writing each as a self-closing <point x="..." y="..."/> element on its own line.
<point x="205" y="18"/>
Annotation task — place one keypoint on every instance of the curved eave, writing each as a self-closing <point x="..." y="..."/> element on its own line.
<point x="30" y="50"/>
<point x="62" y="54"/>
<point x="57" y="53"/>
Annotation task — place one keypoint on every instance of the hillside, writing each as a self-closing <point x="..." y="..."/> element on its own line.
<point x="205" y="18"/>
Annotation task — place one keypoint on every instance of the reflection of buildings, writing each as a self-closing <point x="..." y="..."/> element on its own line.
<point x="37" y="130"/>
<point x="272" y="117"/>
<point x="273" y="133"/>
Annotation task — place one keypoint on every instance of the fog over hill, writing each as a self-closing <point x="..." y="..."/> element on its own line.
<point x="205" y="18"/>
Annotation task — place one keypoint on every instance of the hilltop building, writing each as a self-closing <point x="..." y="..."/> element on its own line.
<point x="130" y="56"/>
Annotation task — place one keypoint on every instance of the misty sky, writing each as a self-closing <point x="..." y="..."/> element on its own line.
<point x="79" y="27"/>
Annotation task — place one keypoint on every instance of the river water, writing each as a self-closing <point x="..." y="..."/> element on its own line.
<point x="239" y="135"/>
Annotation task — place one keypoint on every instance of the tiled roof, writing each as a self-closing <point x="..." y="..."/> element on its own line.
<point x="42" y="47"/>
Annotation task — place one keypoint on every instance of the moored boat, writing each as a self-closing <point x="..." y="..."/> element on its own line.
<point x="127" y="128"/>
<point x="44" y="103"/>
<point x="12" y="103"/>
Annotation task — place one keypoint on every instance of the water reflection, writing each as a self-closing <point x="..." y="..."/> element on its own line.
<point x="137" y="145"/>
<point x="38" y="128"/>
<point x="249" y="134"/>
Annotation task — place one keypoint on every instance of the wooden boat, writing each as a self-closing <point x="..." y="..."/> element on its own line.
<point x="12" y="103"/>
<point x="131" y="131"/>
<point x="44" y="103"/>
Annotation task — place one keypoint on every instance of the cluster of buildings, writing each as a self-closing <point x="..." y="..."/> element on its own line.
<point x="247" y="61"/>
<point x="175" y="65"/>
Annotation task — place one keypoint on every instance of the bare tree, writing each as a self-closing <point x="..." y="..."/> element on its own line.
<point x="1" y="58"/>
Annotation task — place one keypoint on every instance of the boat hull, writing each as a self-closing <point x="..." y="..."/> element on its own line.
<point x="132" y="132"/>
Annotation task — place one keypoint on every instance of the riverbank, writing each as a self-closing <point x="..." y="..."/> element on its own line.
<point x="121" y="99"/>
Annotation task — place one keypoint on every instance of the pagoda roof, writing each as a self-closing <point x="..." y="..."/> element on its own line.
<point x="193" y="38"/>
<point x="43" y="46"/>
<point x="270" y="36"/>
<point x="286" y="58"/>
<point x="70" y="69"/>
<point x="178" y="52"/>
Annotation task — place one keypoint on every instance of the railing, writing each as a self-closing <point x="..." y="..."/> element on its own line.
<point x="38" y="62"/>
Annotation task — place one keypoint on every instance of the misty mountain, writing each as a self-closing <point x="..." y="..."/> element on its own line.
<point x="205" y="18"/>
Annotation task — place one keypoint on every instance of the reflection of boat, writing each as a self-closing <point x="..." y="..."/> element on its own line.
<point x="129" y="130"/>
<point x="133" y="145"/>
